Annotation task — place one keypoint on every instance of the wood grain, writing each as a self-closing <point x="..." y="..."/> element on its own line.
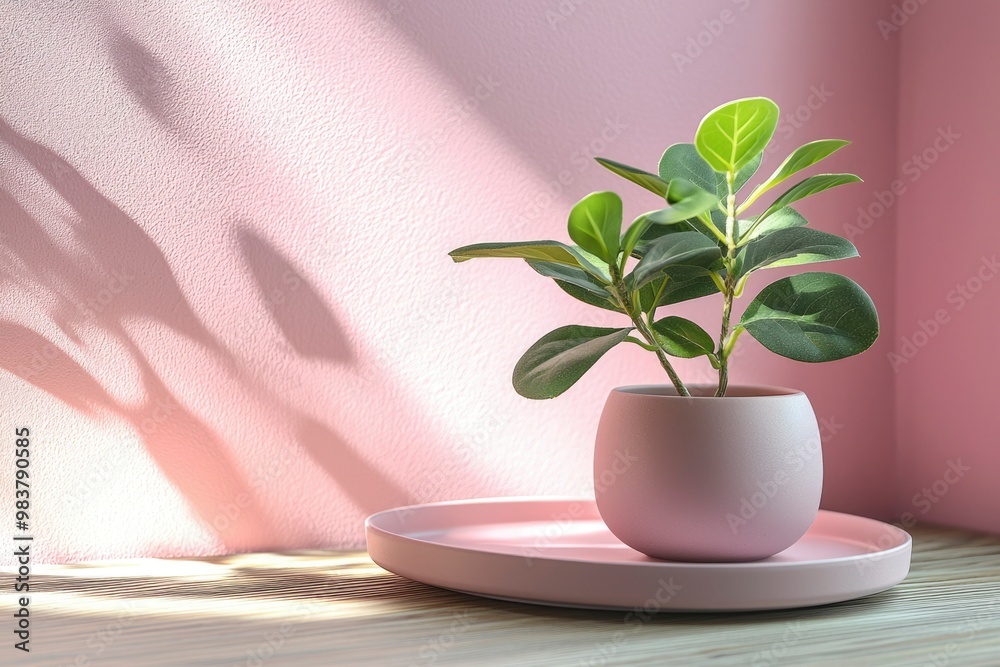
<point x="339" y="608"/>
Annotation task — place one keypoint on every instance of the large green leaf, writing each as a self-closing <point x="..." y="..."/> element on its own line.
<point x="684" y="161"/>
<point x="813" y="317"/>
<point x="544" y="251"/>
<point x="682" y="338"/>
<point x="651" y="182"/>
<point x="732" y="135"/>
<point x="560" y="358"/>
<point x="801" y="157"/>
<point x="577" y="283"/>
<point x="780" y="219"/>
<point x="682" y="249"/>
<point x="793" y="246"/>
<point x="595" y="223"/>
<point x="806" y="187"/>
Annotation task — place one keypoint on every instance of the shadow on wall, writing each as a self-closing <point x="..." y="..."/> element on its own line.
<point x="145" y="76"/>
<point x="122" y="274"/>
<point x="120" y="257"/>
<point x="304" y="320"/>
<point x="367" y="489"/>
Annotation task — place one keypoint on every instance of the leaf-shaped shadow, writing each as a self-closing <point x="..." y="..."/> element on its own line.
<point x="298" y="311"/>
<point x="35" y="359"/>
<point x="369" y="489"/>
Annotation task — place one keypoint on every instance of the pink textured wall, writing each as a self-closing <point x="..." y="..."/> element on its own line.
<point x="948" y="289"/>
<point x="229" y="316"/>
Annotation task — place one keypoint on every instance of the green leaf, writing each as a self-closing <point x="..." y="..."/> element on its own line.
<point x="568" y="274"/>
<point x="683" y="210"/>
<point x="801" y="157"/>
<point x="684" y="248"/>
<point x="780" y="219"/>
<point x="651" y="182"/>
<point x="560" y="358"/>
<point x="732" y="135"/>
<point x="577" y="283"/>
<point x="682" y="338"/>
<point x="654" y="232"/>
<point x="813" y="317"/>
<point x="595" y="223"/>
<point x="684" y="161"/>
<point x="793" y="246"/>
<point x="742" y="176"/>
<point x="675" y="285"/>
<point x="544" y="251"/>
<point x="806" y="187"/>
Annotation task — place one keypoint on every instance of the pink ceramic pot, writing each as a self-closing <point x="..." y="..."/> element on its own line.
<point x="736" y="478"/>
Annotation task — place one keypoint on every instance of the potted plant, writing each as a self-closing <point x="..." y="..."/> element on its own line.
<point x="703" y="473"/>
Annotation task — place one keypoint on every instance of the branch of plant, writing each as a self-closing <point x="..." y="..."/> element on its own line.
<point x="729" y="286"/>
<point x="626" y="302"/>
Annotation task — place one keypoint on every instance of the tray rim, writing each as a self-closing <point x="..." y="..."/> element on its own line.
<point x="905" y="544"/>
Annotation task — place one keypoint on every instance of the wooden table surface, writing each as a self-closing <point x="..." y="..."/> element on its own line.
<point x="339" y="608"/>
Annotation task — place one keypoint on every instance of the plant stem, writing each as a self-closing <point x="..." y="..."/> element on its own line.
<point x="730" y="284"/>
<point x="727" y="308"/>
<point x="643" y="328"/>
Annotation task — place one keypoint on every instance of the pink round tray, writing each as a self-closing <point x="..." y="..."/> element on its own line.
<point x="557" y="551"/>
